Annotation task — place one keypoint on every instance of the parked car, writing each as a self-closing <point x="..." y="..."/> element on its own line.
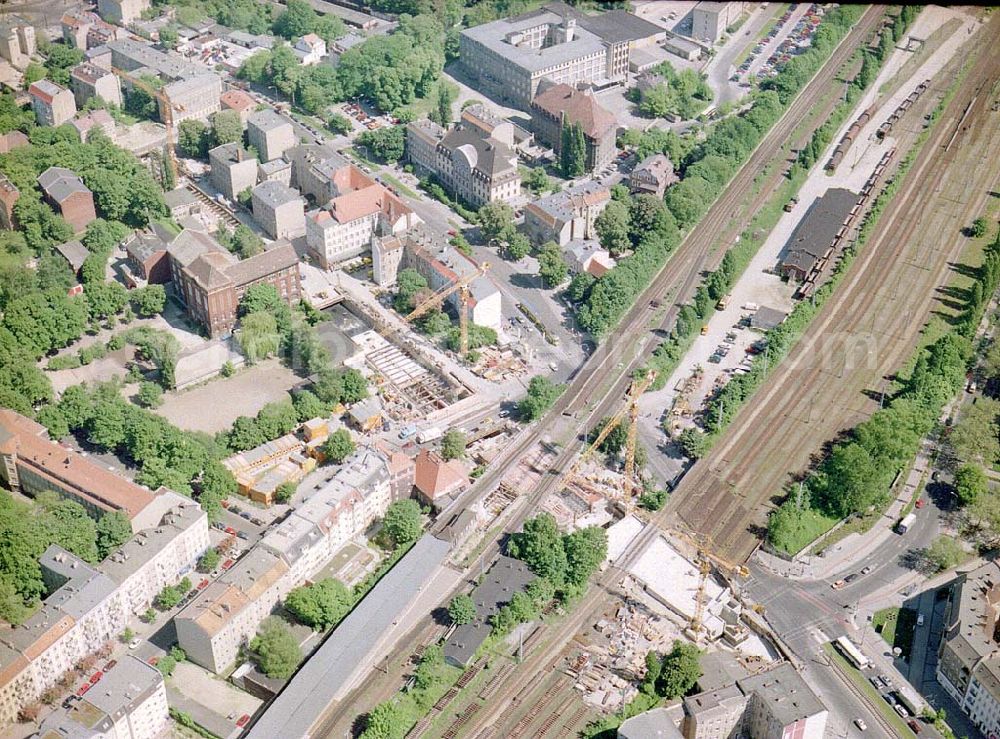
<point x="839" y="584"/>
<point x="920" y="619"/>
<point x="134" y="643"/>
<point x="866" y="569"/>
<point x="860" y="723"/>
<point x="914" y="726"/>
<point x="110" y="664"/>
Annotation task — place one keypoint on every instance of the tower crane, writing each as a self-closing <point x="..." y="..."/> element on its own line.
<point x="629" y="481"/>
<point x="636" y="389"/>
<point x="461" y="286"/>
<point x="166" y="111"/>
<point x="707" y="559"/>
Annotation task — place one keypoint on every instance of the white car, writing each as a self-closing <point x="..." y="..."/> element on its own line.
<point x="860" y="723"/>
<point x="134" y="643"/>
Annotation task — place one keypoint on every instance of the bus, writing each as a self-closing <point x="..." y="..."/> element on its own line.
<point x="854" y="655"/>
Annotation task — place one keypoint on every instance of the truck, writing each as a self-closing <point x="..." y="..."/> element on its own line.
<point x="908" y="520"/>
<point x="433" y="433"/>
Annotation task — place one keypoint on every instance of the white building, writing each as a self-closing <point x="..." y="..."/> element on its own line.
<point x="310" y="49"/>
<point x="709" y="20"/>
<point x="279" y="210"/>
<point x="225" y="616"/>
<point x="270" y="133"/>
<point x="128" y="702"/>
<point x="343" y="228"/>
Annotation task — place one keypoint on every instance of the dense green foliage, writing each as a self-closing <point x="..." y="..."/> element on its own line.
<point x="461" y="609"/>
<point x="683" y="94"/>
<point x="402" y="523"/>
<point x="339" y="446"/>
<point x="387" y="144"/>
<point x="275" y="649"/>
<point x="572" y="151"/>
<point x="542" y="393"/>
<point x="320" y="605"/>
<point x="674" y="674"/>
<point x="453" y="444"/>
<point x="566" y="560"/>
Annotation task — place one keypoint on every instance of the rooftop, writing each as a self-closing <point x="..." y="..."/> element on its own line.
<point x="576" y="106"/>
<point x="267" y="120"/>
<point x="275" y="194"/>
<point x="89" y="73"/>
<point x="568" y="204"/>
<point x="59" y="183"/>
<point x="435" y="477"/>
<point x="237" y="100"/>
<point x="328" y="671"/>
<point x="45" y="89"/>
<point x="75" y="253"/>
<point x="784" y="692"/>
<point x="142" y="54"/>
<point x="815" y="232"/>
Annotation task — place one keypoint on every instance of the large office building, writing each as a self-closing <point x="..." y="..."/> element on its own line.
<point x="226" y="614"/>
<point x="211" y="281"/>
<point x="567" y="215"/>
<point x="709" y="20"/>
<point x="508" y="58"/>
<point x="969" y="658"/>
<point x="476" y="163"/>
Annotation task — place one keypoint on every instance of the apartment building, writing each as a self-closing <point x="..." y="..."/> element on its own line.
<point x="321" y="173"/>
<point x="84" y="30"/>
<point x="89" y="605"/>
<point x="232" y="170"/>
<point x="310" y="49"/>
<point x="128" y="702"/>
<point x="343" y="228"/>
<point x="469" y="162"/>
<point x="225" y="616"/>
<point x="66" y="193"/>
<point x="211" y="281"/>
<point x="270" y="133"/>
<point x="279" y="210"/>
<point x="968" y="658"/>
<point x="121" y="12"/>
<point x="89" y="81"/>
<point x="567" y="215"/>
<point x="53" y="105"/>
<point x="509" y="58"/>
<point x="240" y="102"/>
<point x="32" y="463"/>
<point x="17" y="41"/>
<point x="561" y="105"/>
<point x="441" y="265"/>
<point x="652" y="176"/>
<point x="99" y="119"/>
<point x="278" y="170"/>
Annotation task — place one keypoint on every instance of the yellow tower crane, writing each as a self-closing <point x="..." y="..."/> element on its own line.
<point x="461" y="286"/>
<point x="636" y="389"/>
<point x="166" y="110"/>
<point x="707" y="559"/>
<point x="629" y="481"/>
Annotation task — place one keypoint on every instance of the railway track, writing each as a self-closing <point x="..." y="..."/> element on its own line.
<point x="602" y="381"/>
<point x="880" y="307"/>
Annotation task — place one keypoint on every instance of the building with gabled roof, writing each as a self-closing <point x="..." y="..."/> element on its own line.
<point x="240" y="102"/>
<point x="652" y="176"/>
<point x="53" y="105"/>
<point x="436" y="479"/>
<point x="555" y="107"/>
<point x="75" y="255"/>
<point x="65" y="191"/>
<point x="566" y="215"/>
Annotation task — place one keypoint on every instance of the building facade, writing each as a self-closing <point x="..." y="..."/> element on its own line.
<point x="279" y="210"/>
<point x="88" y="81"/>
<point x="652" y="176"/>
<point x="17" y="41"/>
<point x="121" y="12"/>
<point x="53" y="105"/>
<point x="562" y="105"/>
<point x="195" y="97"/>
<point x="65" y="191"/>
<point x="709" y="20"/>
<point x="270" y="133"/>
<point x="566" y="215"/>
<point x="232" y="170"/>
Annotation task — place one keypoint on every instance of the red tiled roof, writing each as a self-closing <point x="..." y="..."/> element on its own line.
<point x="578" y="107"/>
<point x="435" y="477"/>
<point x="237" y="100"/>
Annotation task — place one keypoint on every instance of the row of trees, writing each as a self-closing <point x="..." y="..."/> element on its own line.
<point x="566" y="560"/>
<point x="856" y="475"/>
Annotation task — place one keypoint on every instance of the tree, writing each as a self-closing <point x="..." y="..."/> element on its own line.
<point x="386" y="144"/>
<point x="166" y="665"/>
<point x="209" y="560"/>
<point x="126" y="636"/>
<point x="693" y="442"/>
<point x="612" y="227"/>
<point x="409" y="283"/>
<point x="308" y="406"/>
<point x="168" y="36"/>
<point x="944" y="553"/>
<point x="402" y="522"/>
<point x="542" y="393"/>
<point x="453" y="444"/>
<point x="105" y="299"/>
<point x="495" y="219"/>
<point x="193" y="138"/>
<point x="149" y="300"/>
<point x="573" y="151"/>
<point x="339" y="124"/>
<point x="320" y="605"/>
<point x="539" y="545"/>
<point x="586" y="549"/>
<point x="653" y="500"/>
<point x="979" y="228"/>
<point x="285" y="491"/>
<point x="445" y="98"/>
<point x="148" y="616"/>
<point x="258" y="336"/>
<point x="552" y="267"/>
<point x="354" y="386"/>
<point x="339" y="446"/>
<point x="516" y="245"/>
<point x="298" y="19"/>
<point x="975" y="437"/>
<point x="680" y="671"/>
<point x="461" y="610"/>
<point x="33" y="72"/>
<point x="168" y="598"/>
<point x="275" y="649"/>
<point x="113" y="530"/>
<point x="971" y="483"/>
<point x="385" y="721"/>
<point x="537" y="180"/>
<point x="150" y="395"/>
<point x="226" y="127"/>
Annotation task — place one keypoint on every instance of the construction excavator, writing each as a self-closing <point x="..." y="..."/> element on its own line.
<point x="461" y="286"/>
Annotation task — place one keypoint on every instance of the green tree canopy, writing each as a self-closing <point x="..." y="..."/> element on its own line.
<point x="339" y="446"/>
<point x="461" y="609"/>
<point x="402" y="523"/>
<point x="320" y="605"/>
<point x="275" y="649"/>
<point x="453" y="444"/>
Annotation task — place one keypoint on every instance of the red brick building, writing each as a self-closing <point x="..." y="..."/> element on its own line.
<point x="65" y="191"/>
<point x="211" y="281"/>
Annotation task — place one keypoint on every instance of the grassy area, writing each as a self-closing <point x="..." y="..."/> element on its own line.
<point x="896" y="626"/>
<point x="857" y="525"/>
<point x="400" y="187"/>
<point x="811" y="525"/>
<point x="862" y="684"/>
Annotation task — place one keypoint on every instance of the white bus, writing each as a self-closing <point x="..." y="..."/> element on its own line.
<point x="852" y="653"/>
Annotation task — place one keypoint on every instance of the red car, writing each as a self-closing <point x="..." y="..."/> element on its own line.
<point x="919" y="503"/>
<point x="452" y="232"/>
<point x="110" y="664"/>
<point x="243" y="720"/>
<point x="96" y="676"/>
<point x="227" y="564"/>
<point x="203" y="584"/>
<point x="83" y="689"/>
<point x="230" y="530"/>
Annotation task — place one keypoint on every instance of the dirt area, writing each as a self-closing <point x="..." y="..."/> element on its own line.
<point x="215" y="405"/>
<point x="218" y="696"/>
